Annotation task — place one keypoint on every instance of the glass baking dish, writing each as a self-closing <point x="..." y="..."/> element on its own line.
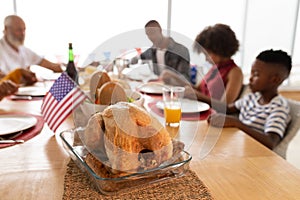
<point x="109" y="186"/>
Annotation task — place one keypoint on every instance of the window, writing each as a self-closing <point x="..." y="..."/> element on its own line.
<point x="269" y="24"/>
<point x="6" y="8"/>
<point x="86" y="24"/>
<point x="259" y="25"/>
<point x="191" y="18"/>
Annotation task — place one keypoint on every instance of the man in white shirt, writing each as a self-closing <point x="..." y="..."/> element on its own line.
<point x="13" y="53"/>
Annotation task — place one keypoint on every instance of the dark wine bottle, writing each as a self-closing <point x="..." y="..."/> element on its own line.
<point x="71" y="69"/>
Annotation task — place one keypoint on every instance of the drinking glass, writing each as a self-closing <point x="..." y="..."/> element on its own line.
<point x="121" y="64"/>
<point x="172" y="97"/>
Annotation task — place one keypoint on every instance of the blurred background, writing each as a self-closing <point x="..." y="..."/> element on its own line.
<point x="258" y="24"/>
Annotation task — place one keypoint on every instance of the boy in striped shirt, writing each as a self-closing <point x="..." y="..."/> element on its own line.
<point x="263" y="113"/>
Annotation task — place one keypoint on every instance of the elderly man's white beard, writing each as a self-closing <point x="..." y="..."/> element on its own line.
<point x="16" y="43"/>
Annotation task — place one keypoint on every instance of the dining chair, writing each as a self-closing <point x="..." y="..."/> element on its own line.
<point x="292" y="129"/>
<point x="244" y="90"/>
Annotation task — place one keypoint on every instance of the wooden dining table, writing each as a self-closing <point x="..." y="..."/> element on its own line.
<point x="229" y="162"/>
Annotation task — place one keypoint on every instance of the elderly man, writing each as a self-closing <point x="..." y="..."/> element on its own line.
<point x="13" y="53"/>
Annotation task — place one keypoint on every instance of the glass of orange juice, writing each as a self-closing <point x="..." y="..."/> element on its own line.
<point x="172" y="97"/>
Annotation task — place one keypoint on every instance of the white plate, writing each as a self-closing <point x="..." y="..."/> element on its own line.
<point x="152" y="88"/>
<point x="51" y="76"/>
<point x="15" y="123"/>
<point x="140" y="72"/>
<point x="139" y="77"/>
<point x="31" y="91"/>
<point x="188" y="106"/>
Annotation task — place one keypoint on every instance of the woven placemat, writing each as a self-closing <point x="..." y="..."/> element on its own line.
<point x="78" y="186"/>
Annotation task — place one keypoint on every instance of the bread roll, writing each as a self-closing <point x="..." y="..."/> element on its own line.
<point x="123" y="83"/>
<point x="110" y="93"/>
<point x="98" y="79"/>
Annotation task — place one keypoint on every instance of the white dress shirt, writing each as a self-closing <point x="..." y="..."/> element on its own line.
<point x="11" y="59"/>
<point x="160" y="56"/>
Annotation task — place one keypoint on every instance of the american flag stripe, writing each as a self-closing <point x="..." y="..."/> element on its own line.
<point x="63" y="97"/>
<point x="48" y="106"/>
<point x="47" y="102"/>
<point x="64" y="110"/>
<point x="58" y="107"/>
<point x="62" y="117"/>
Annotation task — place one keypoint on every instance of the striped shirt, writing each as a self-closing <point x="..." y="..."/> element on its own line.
<point x="272" y="117"/>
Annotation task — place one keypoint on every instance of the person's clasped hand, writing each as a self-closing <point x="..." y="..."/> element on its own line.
<point x="189" y="93"/>
<point x="7" y="88"/>
<point x="221" y="120"/>
<point x="28" y="77"/>
<point x="21" y="76"/>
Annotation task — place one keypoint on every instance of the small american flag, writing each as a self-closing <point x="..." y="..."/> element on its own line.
<point x="62" y="98"/>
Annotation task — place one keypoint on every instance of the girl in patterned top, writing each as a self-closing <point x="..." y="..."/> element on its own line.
<point x="224" y="80"/>
<point x="263" y="114"/>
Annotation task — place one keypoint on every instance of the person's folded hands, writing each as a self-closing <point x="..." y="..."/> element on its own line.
<point x="21" y="76"/>
<point x="7" y="88"/>
<point x="222" y="120"/>
<point x="28" y="77"/>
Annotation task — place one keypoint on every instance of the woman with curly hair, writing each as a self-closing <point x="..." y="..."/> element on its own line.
<point x="224" y="80"/>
